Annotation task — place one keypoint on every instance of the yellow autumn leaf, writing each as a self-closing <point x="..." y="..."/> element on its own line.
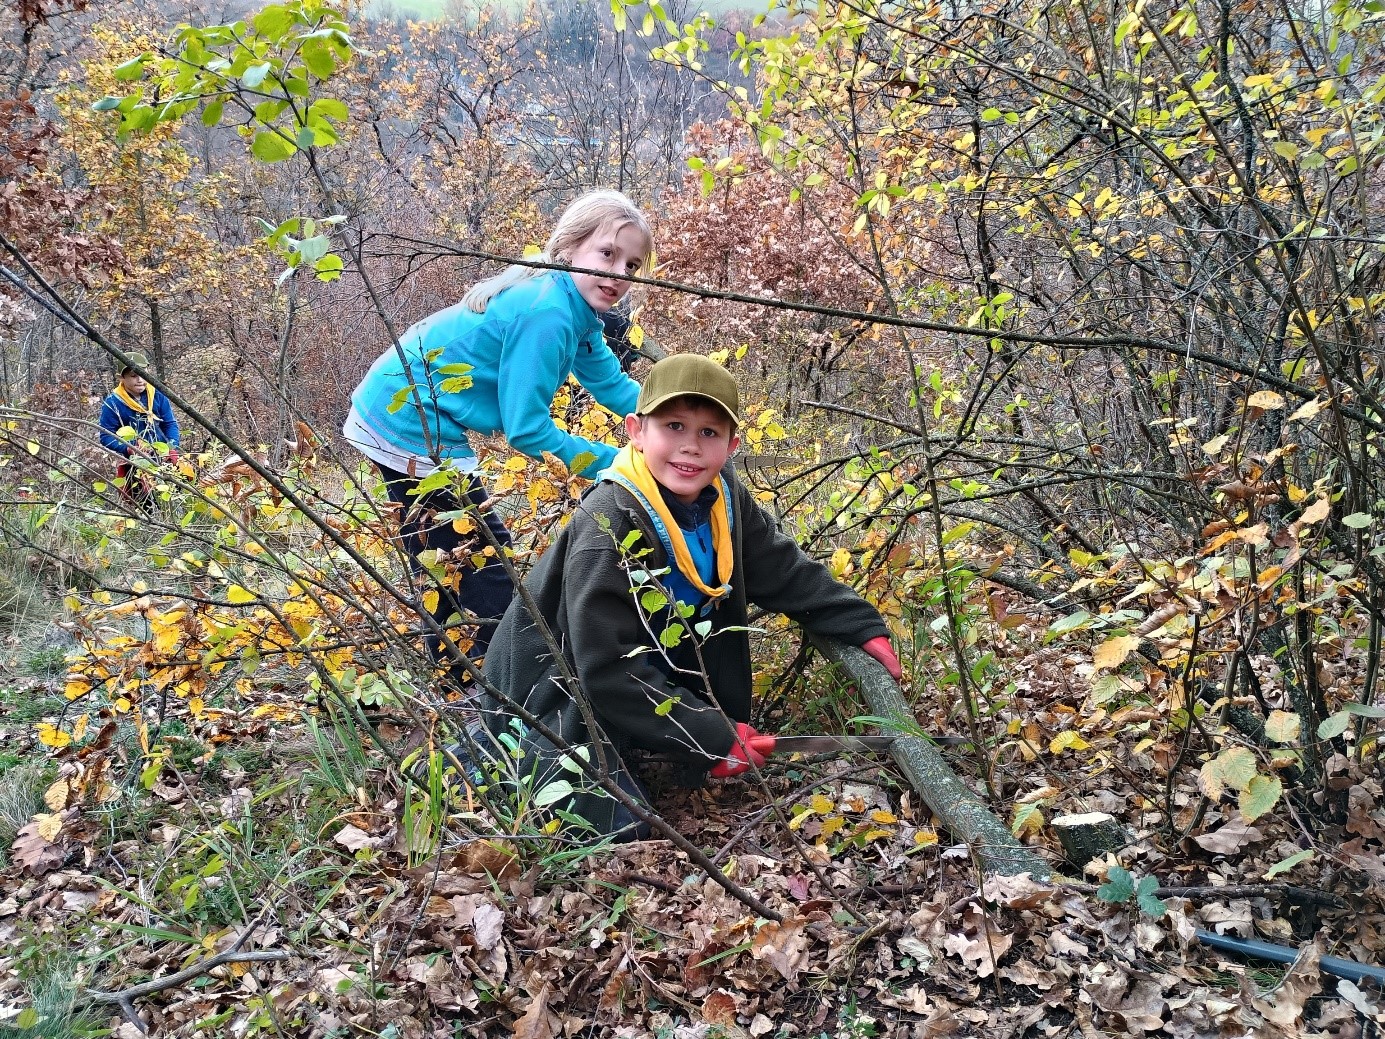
<point x="925" y="838"/>
<point x="884" y="818"/>
<point x="841" y="560"/>
<point x="55" y="797"/>
<point x="1113" y="651"/>
<point x="430" y="600"/>
<point x="831" y="825"/>
<point x="1067" y="740"/>
<point x="49" y="826"/>
<point x="1213" y="447"/>
<point x="1283" y="726"/>
<point x="821" y="804"/>
<point x="463" y="524"/>
<point x="1308" y="411"/>
<point x="875" y="835"/>
<point x="76" y="688"/>
<point x="238" y="596"/>
<point x="51" y="736"/>
<point x="1317" y="511"/>
<point x="1267" y="400"/>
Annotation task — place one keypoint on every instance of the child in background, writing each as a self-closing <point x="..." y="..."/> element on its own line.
<point x="135" y="405"/>
<point x="522" y="333"/>
<point x="672" y="488"/>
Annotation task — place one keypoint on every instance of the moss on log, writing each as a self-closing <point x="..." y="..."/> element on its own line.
<point x="960" y="811"/>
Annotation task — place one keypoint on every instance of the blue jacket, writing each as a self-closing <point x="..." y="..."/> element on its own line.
<point x="531" y="337"/>
<point x="158" y="427"/>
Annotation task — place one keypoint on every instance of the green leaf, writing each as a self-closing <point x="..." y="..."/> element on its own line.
<point x="329" y="268"/>
<point x="318" y="56"/>
<point x="671" y="636"/>
<point x="703" y="629"/>
<point x="1072" y="622"/>
<point x="551" y="793"/>
<point x="653" y="600"/>
<point x="1144" y="898"/>
<point x="1333" y="725"/>
<point x="1127" y="24"/>
<point x="314" y="248"/>
<point x="255" y="75"/>
<point x="268" y="111"/>
<point x="1284" y="865"/>
<point x="330" y="108"/>
<point x="1357" y="520"/>
<point x="401" y="397"/>
<point x="664" y="709"/>
<point x="132" y="69"/>
<point x="270" y="146"/>
<point x="1119" y="886"/>
<point x="1260" y="795"/>
<point x="991" y="114"/>
<point x="274" y="21"/>
<point x="106" y="104"/>
<point x="211" y="115"/>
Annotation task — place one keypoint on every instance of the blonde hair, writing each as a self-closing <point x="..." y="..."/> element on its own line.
<point x="586" y="215"/>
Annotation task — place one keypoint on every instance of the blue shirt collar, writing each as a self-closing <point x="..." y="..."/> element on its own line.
<point x="690" y="517"/>
<point x="580" y="307"/>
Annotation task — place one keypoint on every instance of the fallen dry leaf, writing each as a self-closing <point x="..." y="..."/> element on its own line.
<point x="537" y="1022"/>
<point x="353" y="838"/>
<point x="36" y="853"/>
<point x="783" y="946"/>
<point x="1229" y="839"/>
<point x="1283" y="1004"/>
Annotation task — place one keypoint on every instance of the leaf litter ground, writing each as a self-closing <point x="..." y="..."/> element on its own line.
<point x="885" y="929"/>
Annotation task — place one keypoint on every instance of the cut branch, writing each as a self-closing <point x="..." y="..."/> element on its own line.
<point x="960" y="811"/>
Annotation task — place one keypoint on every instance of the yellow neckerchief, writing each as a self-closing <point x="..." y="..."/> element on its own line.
<point x="629" y="466"/>
<point x="147" y="408"/>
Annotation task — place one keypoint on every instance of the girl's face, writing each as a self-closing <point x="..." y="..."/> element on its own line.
<point x="616" y="250"/>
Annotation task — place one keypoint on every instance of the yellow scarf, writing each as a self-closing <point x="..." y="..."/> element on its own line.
<point x="147" y="408"/>
<point x="629" y="466"/>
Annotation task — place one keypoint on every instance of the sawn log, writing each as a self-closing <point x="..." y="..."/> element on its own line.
<point x="960" y="811"/>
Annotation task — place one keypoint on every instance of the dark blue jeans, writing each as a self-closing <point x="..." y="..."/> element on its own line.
<point x="485" y="591"/>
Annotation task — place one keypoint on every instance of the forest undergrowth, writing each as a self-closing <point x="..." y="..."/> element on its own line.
<point x="207" y="833"/>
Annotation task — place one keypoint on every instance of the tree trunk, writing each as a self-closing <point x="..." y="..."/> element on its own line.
<point x="963" y="814"/>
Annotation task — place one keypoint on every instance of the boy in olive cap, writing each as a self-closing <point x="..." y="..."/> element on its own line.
<point x="139" y="407"/>
<point x="669" y="510"/>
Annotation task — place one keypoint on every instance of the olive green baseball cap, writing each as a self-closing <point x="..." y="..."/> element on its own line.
<point x="689" y="375"/>
<point x="137" y="360"/>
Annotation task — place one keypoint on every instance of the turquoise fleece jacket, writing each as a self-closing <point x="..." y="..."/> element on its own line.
<point x="531" y="337"/>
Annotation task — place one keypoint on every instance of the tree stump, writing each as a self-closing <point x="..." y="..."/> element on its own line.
<point x="1089" y="835"/>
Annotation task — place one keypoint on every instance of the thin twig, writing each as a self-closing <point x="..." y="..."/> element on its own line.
<point x="125" y="997"/>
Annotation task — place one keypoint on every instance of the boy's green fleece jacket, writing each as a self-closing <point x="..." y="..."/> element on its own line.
<point x="583" y="588"/>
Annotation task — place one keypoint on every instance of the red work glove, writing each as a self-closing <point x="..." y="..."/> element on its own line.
<point x="741" y="755"/>
<point x="880" y="648"/>
<point x="172" y="456"/>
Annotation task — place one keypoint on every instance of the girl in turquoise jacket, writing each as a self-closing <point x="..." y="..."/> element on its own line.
<point x="492" y="364"/>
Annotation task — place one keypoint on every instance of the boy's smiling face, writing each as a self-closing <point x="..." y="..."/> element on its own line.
<point x="685" y="443"/>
